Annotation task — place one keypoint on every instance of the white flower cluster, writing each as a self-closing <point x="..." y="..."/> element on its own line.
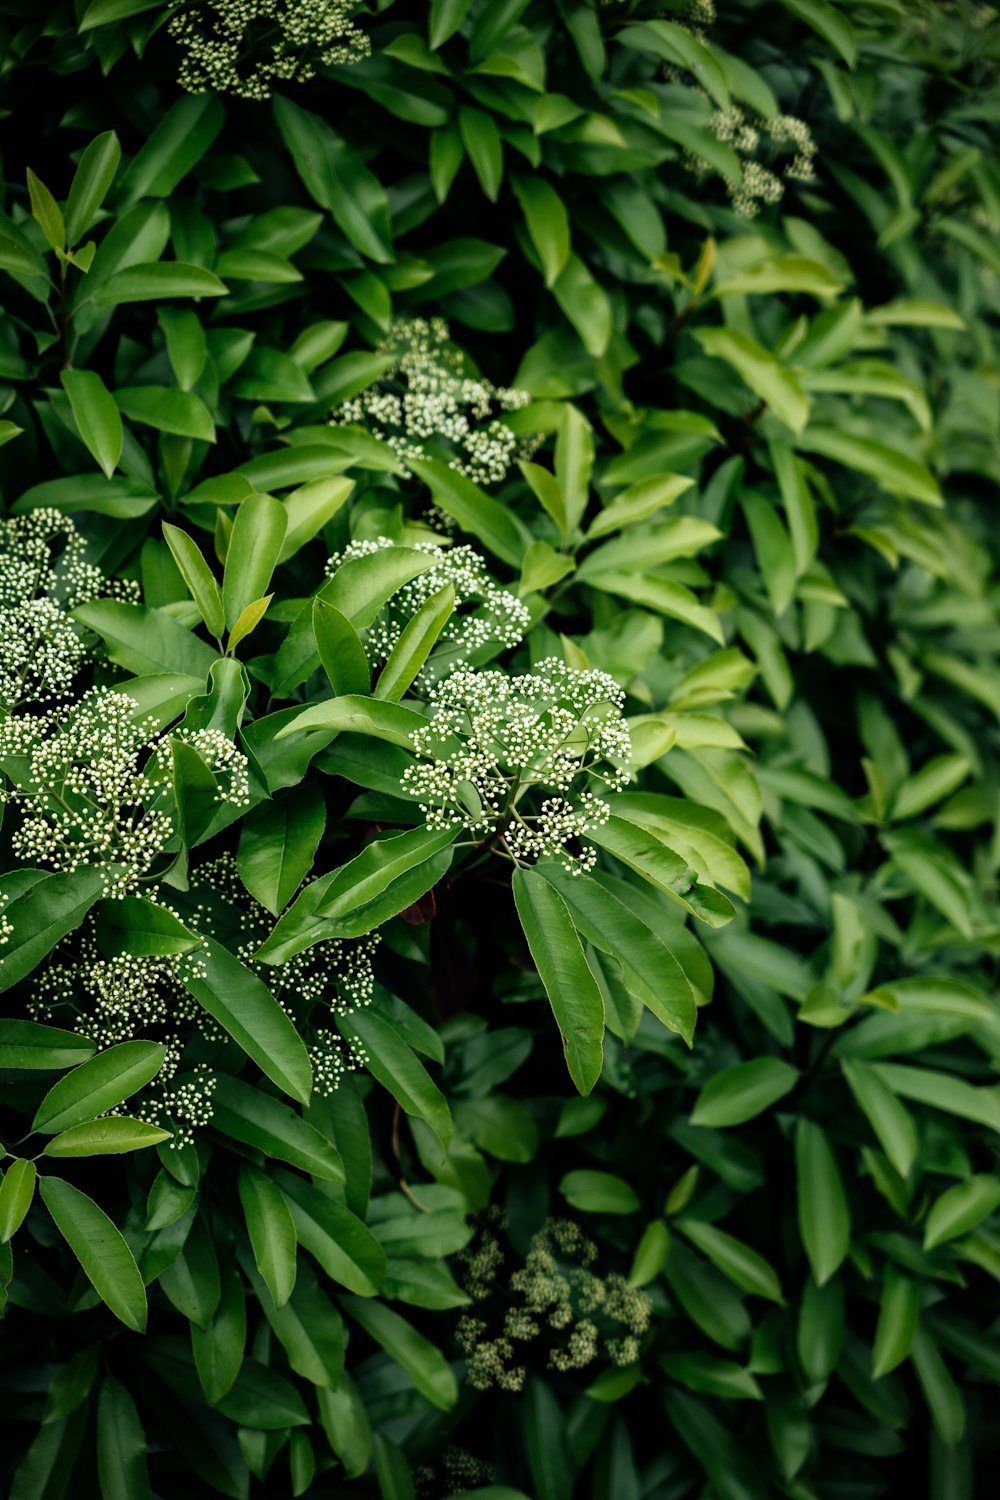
<point x="43" y="575"/>
<point x="228" y="764"/>
<point x="124" y="998"/>
<point x="427" y="396"/>
<point x="496" y="744"/>
<point x="744" y="131"/>
<point x="77" y="778"/>
<point x="242" y="47"/>
<point x="485" y="616"/>
<point x="335" y="976"/>
<point x="84" y="796"/>
<point x="6" y="925"/>
<point x="555" y="1295"/>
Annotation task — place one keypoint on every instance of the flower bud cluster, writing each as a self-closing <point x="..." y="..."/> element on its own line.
<point x="329" y="979"/>
<point x="556" y="1296"/>
<point x="241" y="47"/>
<point x="744" y="131"/>
<point x="84" y="796"/>
<point x="485" y="615"/>
<point x="511" y="757"/>
<point x="44" y="575"/>
<point x="125" y="998"/>
<point x="227" y="763"/>
<point x="428" y="396"/>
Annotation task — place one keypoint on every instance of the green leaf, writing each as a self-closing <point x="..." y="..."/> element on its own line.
<point x="390" y="1059"/>
<point x="340" y="651"/>
<point x="890" y="1120"/>
<point x="377" y="884"/>
<point x="586" y="305"/>
<point x="347" y="1250"/>
<point x="742" y="1092"/>
<point x="735" y="1259"/>
<point x="278" y="844"/>
<point x="27" y="1044"/>
<point x="141" y="929"/>
<point x="639" y="502"/>
<point x="187" y="346"/>
<point x="17" y="1192"/>
<point x="100" y="1084"/>
<point x="422" y="1361"/>
<point x="828" y="23"/>
<point x="254" y="549"/>
<point x="168" y="410"/>
<point x="121" y="1440"/>
<point x="546" y="1443"/>
<point x="895" y="470"/>
<point x="46" y="212"/>
<point x="111" y="1137"/>
<point x="899" y="1311"/>
<point x="41" y="915"/>
<point x="824" y="1217"/>
<point x="944" y="1401"/>
<point x="106" y="1259"/>
<point x="146" y="641"/>
<point x="336" y="179"/>
<point x="650" y="970"/>
<point x="576" y="1000"/>
<point x="446" y="16"/>
<point x="152" y="281"/>
<point x="599" y="1193"/>
<point x="679" y="47"/>
<point x="309" y="508"/>
<point x="474" y="510"/>
<point x="353" y="714"/>
<point x="245" y="1008"/>
<point x="415" y="643"/>
<point x="176" y="145"/>
<point x="776" y="386"/>
<point x="961" y="1208"/>
<point x="103" y="12"/>
<point x="272" y="1233"/>
<point x="485" y="148"/>
<point x="786" y="273"/>
<point x="219" y="1347"/>
<point x="652" y="860"/>
<point x="96" y="416"/>
<point x="249" y="1115"/>
<point x="198" y="576"/>
<point x="91" y="182"/>
<point x="548" y="223"/>
<point x="263" y="1399"/>
<point x="310" y="1330"/>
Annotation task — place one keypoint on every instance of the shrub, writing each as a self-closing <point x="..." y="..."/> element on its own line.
<point x="499" y="909"/>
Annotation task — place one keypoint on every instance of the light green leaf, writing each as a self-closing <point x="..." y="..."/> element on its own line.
<point x="17" y="1192"/>
<point x="91" y="181"/>
<point x="198" y="576"/>
<point x="254" y="549"/>
<point x="776" y="385"/>
<point x="109" y="1137"/>
<point x="415" y="643"/>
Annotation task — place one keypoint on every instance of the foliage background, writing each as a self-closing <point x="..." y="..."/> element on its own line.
<point x="807" y="634"/>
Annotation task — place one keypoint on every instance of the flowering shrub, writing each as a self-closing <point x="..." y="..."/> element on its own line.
<point x="498" y="735"/>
